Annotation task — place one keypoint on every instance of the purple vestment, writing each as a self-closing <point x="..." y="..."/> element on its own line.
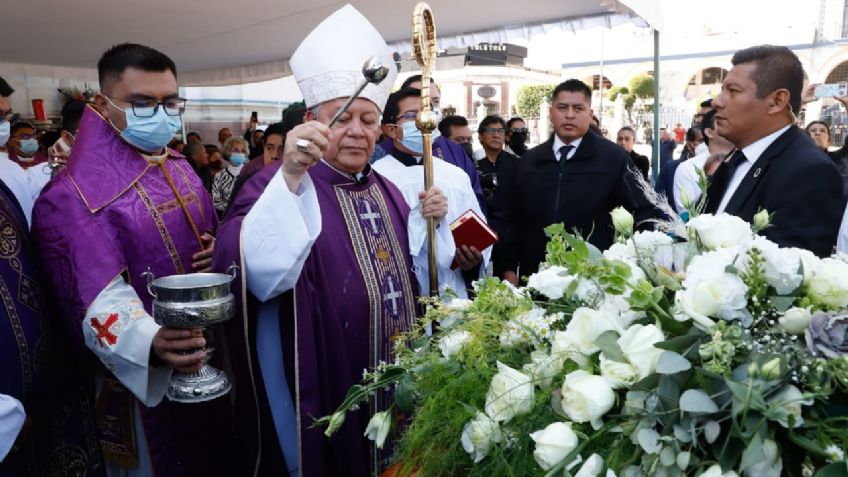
<point x="36" y="368"/>
<point x="355" y="293"/>
<point x="111" y="212"/>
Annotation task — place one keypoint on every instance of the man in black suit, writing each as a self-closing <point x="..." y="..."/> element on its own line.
<point x="776" y="166"/>
<point x="576" y="177"/>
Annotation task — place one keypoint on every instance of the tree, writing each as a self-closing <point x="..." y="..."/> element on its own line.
<point x="530" y="99"/>
<point x="642" y="86"/>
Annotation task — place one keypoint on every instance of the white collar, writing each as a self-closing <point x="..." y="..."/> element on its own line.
<point x="558" y="143"/>
<point x="756" y="149"/>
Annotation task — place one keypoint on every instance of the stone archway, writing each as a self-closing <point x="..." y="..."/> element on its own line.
<point x="705" y="82"/>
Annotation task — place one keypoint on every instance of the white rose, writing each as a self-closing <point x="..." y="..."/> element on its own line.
<point x="710" y="291"/>
<point x="809" y="260"/>
<point x="378" y="428"/>
<point x="637" y="345"/>
<point x="622" y="220"/>
<point x="771" y="466"/>
<point x="782" y="265"/>
<point x="479" y="435"/>
<point x="829" y="283"/>
<point x="617" y="305"/>
<point x="553" y="444"/>
<point x="715" y="471"/>
<point x="620" y="375"/>
<point x="646" y="243"/>
<point x="563" y="347"/>
<point x="719" y="231"/>
<point x="795" y="320"/>
<point x="684" y="310"/>
<point x="510" y="394"/>
<point x="593" y="467"/>
<point x="588" y="292"/>
<point x="586" y="397"/>
<point x="620" y="251"/>
<point x="789" y="400"/>
<point x="551" y="281"/>
<point x="457" y="307"/>
<point x="543" y="367"/>
<point x="584" y="328"/>
<point x="452" y="343"/>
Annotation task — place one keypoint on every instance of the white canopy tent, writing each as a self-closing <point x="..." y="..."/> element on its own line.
<point x="220" y="42"/>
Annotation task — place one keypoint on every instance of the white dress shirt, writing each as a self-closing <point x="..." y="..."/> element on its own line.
<point x="686" y="180"/>
<point x="558" y="143"/>
<point x="752" y="153"/>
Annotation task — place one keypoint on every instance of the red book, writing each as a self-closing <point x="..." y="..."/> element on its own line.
<point x="472" y="231"/>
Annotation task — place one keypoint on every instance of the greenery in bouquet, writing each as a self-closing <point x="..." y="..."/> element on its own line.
<point x="712" y="352"/>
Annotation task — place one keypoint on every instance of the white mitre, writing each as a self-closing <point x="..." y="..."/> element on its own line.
<point x="328" y="63"/>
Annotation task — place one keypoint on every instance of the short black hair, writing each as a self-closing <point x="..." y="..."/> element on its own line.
<point x="488" y="120"/>
<point x="627" y="128"/>
<point x="818" y="121"/>
<point x="20" y="125"/>
<point x="692" y="134"/>
<point x="707" y="103"/>
<point x="392" y="109"/>
<point x="292" y="116"/>
<point x="572" y="86"/>
<point x="776" y="67"/>
<point x="71" y="114"/>
<point x="708" y="122"/>
<point x="193" y="134"/>
<point x="448" y="122"/>
<point x="6" y="89"/>
<point x="192" y="149"/>
<point x="413" y="79"/>
<point x="131" y="55"/>
<point x="48" y="139"/>
<point x="276" y="128"/>
<point x="514" y="120"/>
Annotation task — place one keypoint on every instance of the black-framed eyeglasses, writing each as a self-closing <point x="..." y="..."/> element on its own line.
<point x="406" y="117"/>
<point x="519" y="130"/>
<point x="491" y="130"/>
<point x="147" y="108"/>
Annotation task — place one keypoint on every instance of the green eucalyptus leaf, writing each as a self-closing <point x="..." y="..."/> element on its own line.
<point x="649" y="440"/>
<point x="672" y="363"/>
<point x="608" y="342"/>
<point x="711" y="431"/>
<point x="753" y="454"/>
<point x="667" y="456"/>
<point x="697" y="401"/>
<point x="783" y="303"/>
<point x="836" y="469"/>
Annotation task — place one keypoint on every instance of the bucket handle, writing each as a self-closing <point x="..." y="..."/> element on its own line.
<point x="150" y="277"/>
<point x="233" y="270"/>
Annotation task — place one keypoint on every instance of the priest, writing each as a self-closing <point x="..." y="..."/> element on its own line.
<point x="327" y="272"/>
<point x="123" y="205"/>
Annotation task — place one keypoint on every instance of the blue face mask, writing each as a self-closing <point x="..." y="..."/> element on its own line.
<point x="150" y="134"/>
<point x="29" y="146"/>
<point x="238" y="158"/>
<point x="5" y="132"/>
<point x="412" y="138"/>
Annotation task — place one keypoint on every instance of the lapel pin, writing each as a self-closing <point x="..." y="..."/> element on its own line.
<point x="757" y="172"/>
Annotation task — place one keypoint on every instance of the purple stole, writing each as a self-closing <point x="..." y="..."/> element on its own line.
<point x="36" y="369"/>
<point x="355" y="295"/>
<point x="110" y="213"/>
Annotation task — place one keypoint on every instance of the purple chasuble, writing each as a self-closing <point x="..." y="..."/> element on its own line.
<point x="355" y="294"/>
<point x="111" y="212"/>
<point x="37" y="369"/>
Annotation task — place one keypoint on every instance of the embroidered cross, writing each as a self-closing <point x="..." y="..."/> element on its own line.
<point x="382" y="254"/>
<point x="392" y="296"/>
<point x="370" y="216"/>
<point x="103" y="330"/>
<point x="397" y="336"/>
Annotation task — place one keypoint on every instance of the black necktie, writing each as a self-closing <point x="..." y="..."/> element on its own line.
<point x="721" y="179"/>
<point x="563" y="155"/>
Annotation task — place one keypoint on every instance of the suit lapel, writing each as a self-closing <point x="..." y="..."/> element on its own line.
<point x="758" y="170"/>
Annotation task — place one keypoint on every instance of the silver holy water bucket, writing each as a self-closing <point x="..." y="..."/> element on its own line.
<point x="194" y="300"/>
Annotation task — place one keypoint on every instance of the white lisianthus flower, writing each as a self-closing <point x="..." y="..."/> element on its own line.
<point x="529" y="327"/>
<point x="770" y="466"/>
<point x="646" y="243"/>
<point x="588" y="292"/>
<point x="593" y="467"/>
<point x="553" y="444"/>
<point x="719" y="231"/>
<point x="584" y="328"/>
<point x="543" y="367"/>
<point x="715" y="471"/>
<point x="620" y="375"/>
<point x="795" y="320"/>
<point x="619" y="251"/>
<point x="829" y="283"/>
<point x="586" y="397"/>
<point x="809" y="260"/>
<point x="378" y="428"/>
<point x="510" y="394"/>
<point x="790" y="399"/>
<point x="622" y="220"/>
<point x="457" y="307"/>
<point x="452" y="343"/>
<point x="551" y="281"/>
<point x="710" y="291"/>
<point x="637" y="345"/>
<point x="782" y="265"/>
<point x="479" y="435"/>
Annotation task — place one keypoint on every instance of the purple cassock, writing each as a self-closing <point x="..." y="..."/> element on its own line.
<point x="36" y="367"/>
<point x="355" y="294"/>
<point x="110" y="212"/>
<point x="451" y="153"/>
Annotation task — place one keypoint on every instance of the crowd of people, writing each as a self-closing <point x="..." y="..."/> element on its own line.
<point x="328" y="228"/>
